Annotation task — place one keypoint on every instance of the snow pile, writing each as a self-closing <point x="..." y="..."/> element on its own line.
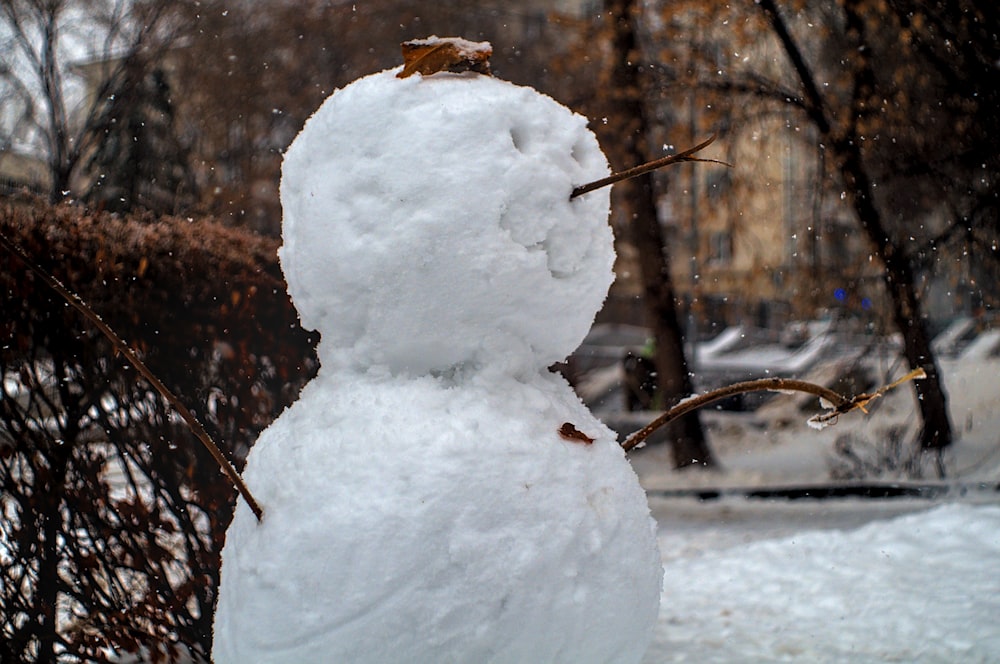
<point x="419" y="501"/>
<point x="923" y="587"/>
<point x="445" y="524"/>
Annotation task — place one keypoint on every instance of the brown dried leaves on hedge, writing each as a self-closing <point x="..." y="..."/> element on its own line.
<point x="113" y="509"/>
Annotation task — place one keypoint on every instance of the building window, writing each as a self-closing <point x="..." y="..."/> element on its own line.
<point x="720" y="247"/>
<point x="718" y="184"/>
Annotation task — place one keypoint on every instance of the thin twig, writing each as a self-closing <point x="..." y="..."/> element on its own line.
<point x="764" y="384"/>
<point x="120" y="346"/>
<point x="861" y="401"/>
<point x="647" y="167"/>
<point x="839" y="404"/>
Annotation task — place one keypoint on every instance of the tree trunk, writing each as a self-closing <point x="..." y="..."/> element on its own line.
<point x="899" y="281"/>
<point x="638" y="195"/>
<point x="936" y="432"/>
<point x="673" y="380"/>
<point x="50" y="518"/>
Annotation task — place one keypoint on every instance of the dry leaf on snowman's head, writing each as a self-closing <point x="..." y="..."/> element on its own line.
<point x="436" y="54"/>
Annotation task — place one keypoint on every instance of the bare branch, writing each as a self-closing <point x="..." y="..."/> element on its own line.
<point x="839" y="403"/>
<point x="814" y="104"/>
<point x="647" y="167"/>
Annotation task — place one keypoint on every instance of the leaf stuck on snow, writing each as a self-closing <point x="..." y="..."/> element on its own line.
<point x="437" y="54"/>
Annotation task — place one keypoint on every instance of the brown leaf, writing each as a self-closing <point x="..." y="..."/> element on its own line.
<point x="437" y="54"/>
<point x="574" y="435"/>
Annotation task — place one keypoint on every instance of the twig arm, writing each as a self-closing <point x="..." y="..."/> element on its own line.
<point x="838" y="403"/>
<point x="763" y="384"/>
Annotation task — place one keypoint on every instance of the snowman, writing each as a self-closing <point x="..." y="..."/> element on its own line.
<point x="437" y="494"/>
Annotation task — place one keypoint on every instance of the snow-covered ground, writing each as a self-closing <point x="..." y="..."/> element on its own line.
<point x="837" y="580"/>
<point x="740" y="585"/>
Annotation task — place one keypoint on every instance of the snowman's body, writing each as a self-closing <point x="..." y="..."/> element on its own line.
<point x="420" y="502"/>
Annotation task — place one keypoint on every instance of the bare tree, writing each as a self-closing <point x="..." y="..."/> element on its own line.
<point x="840" y="123"/>
<point x="897" y="99"/>
<point x="628" y="134"/>
<point x="64" y="59"/>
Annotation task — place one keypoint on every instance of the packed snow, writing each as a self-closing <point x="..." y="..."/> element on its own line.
<point x="421" y="499"/>
<point x="428" y="224"/>
<point x="741" y="585"/>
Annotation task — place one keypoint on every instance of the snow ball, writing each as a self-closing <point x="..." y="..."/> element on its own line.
<point x="428" y="225"/>
<point x="477" y="535"/>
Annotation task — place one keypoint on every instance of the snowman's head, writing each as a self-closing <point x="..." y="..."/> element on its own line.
<point x="428" y="225"/>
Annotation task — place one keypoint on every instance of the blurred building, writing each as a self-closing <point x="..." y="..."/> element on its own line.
<point x="757" y="243"/>
<point x="20" y="171"/>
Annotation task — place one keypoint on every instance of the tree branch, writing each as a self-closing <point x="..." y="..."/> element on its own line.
<point x="646" y="168"/>
<point x="814" y="100"/>
<point x="839" y="404"/>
